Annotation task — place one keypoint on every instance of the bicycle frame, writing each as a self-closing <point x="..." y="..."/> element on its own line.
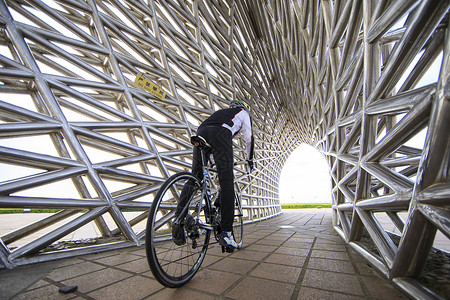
<point x="175" y="258"/>
<point x="206" y="188"/>
<point x="205" y="195"/>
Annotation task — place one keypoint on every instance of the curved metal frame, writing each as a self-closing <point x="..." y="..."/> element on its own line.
<point x="344" y="76"/>
<point x="358" y="67"/>
<point x="73" y="116"/>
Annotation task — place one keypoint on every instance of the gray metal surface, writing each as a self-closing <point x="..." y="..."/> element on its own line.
<point x="366" y="82"/>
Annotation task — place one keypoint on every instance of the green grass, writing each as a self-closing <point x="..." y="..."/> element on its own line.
<point x="306" y="205"/>
<point x="20" y="210"/>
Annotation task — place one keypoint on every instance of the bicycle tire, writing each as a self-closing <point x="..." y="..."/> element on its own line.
<point x="173" y="265"/>
<point x="238" y="221"/>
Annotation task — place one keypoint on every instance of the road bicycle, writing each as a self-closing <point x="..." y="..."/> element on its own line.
<point x="174" y="265"/>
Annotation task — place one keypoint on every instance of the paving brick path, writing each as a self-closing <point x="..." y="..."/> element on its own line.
<point x="296" y="255"/>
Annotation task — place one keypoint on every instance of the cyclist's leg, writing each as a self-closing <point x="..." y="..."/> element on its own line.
<point x="226" y="199"/>
<point x="223" y="156"/>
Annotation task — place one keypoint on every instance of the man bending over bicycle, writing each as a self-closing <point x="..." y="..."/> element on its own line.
<point x="218" y="130"/>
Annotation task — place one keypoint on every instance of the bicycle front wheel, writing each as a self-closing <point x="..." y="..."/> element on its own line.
<point x="174" y="265"/>
<point x="238" y="221"/>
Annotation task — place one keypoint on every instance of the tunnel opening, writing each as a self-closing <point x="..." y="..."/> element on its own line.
<point x="305" y="177"/>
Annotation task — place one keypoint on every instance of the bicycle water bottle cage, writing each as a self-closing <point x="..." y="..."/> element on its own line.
<point x="199" y="141"/>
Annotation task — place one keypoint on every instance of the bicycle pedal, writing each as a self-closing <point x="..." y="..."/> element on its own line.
<point x="227" y="249"/>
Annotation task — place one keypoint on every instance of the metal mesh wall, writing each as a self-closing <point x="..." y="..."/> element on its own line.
<point x="80" y="132"/>
<point x="363" y="81"/>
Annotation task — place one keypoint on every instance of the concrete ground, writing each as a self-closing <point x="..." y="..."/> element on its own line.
<point x="296" y="255"/>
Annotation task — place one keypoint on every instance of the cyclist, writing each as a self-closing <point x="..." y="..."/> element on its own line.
<point x="218" y="130"/>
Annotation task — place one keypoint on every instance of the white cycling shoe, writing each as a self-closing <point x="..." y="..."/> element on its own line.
<point x="227" y="241"/>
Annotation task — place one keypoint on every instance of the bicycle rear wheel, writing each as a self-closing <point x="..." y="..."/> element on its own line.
<point x="173" y="265"/>
<point x="238" y="222"/>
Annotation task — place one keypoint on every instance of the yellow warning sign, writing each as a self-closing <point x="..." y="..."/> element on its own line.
<point x="150" y="86"/>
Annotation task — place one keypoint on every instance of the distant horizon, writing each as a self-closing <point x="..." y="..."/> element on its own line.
<point x="308" y="203"/>
<point x="305" y="177"/>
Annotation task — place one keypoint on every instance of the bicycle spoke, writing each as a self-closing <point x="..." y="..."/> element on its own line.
<point x="174" y="265"/>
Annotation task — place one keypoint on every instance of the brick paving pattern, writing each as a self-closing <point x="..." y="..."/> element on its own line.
<point x="296" y="255"/>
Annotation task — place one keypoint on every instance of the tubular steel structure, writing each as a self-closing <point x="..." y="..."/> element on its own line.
<point x="98" y="99"/>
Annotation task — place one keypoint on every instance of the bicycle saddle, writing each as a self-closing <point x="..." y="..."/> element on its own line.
<point x="199" y="141"/>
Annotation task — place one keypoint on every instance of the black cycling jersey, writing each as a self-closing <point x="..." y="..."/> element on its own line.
<point x="234" y="119"/>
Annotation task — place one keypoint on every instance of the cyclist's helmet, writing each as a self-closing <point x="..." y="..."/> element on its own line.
<point x="236" y="103"/>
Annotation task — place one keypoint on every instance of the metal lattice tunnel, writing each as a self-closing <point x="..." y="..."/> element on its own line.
<point x="98" y="100"/>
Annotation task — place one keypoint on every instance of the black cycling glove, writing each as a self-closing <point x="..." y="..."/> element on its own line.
<point x="250" y="164"/>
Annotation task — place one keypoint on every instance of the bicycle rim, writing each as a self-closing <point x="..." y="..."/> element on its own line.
<point x="173" y="265"/>
<point x="238" y="221"/>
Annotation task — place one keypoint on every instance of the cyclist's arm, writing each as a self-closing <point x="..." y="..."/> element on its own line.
<point x="248" y="136"/>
